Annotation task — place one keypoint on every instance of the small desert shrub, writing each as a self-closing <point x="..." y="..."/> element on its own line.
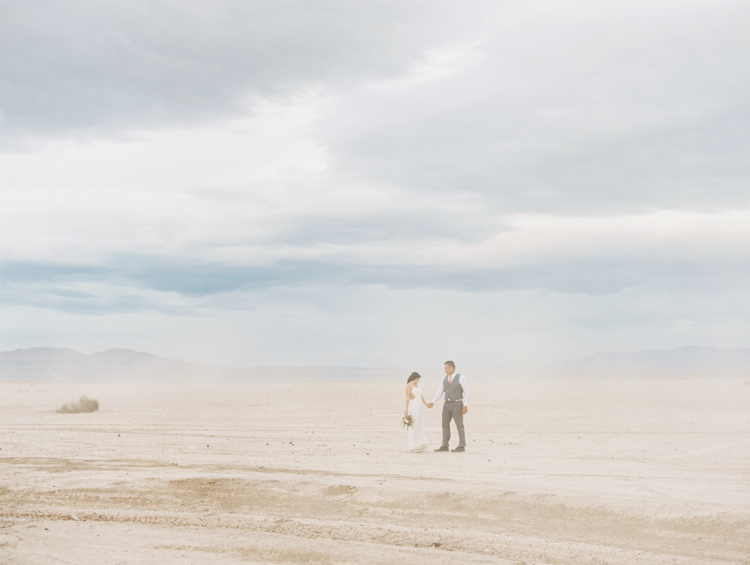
<point x="83" y="405"/>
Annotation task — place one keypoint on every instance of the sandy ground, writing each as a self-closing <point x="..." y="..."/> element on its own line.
<point x="556" y="472"/>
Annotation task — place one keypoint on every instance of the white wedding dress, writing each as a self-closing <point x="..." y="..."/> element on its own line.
<point x="415" y="436"/>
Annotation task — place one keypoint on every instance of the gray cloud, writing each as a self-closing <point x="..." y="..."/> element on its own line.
<point x="422" y="225"/>
<point x="134" y="277"/>
<point x="22" y="272"/>
<point x="691" y="166"/>
<point x="601" y="112"/>
<point x="71" y="64"/>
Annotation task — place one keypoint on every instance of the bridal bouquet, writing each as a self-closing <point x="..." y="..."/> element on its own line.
<point x="407" y="421"/>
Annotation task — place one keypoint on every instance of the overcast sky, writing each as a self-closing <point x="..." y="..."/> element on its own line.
<point x="388" y="183"/>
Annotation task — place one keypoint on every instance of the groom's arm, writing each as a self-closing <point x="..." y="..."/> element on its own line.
<point x="465" y="386"/>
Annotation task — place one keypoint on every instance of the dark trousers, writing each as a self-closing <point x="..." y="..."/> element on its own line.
<point x="453" y="410"/>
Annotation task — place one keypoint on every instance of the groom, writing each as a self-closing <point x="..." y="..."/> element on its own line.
<point x="456" y="389"/>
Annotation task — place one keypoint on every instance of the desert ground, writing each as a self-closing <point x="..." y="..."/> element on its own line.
<point x="555" y="472"/>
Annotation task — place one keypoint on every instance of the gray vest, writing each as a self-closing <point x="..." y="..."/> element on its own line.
<point x="453" y="391"/>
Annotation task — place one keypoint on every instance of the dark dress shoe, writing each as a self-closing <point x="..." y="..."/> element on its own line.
<point x="442" y="448"/>
<point x="459" y="448"/>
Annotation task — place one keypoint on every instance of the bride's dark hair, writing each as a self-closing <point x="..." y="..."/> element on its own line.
<point x="413" y="377"/>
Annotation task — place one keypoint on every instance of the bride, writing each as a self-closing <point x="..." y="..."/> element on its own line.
<point x="414" y="400"/>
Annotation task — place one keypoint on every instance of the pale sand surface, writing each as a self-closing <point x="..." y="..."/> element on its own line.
<point x="317" y="472"/>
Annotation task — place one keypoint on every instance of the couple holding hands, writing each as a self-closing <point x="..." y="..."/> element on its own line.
<point x="456" y="390"/>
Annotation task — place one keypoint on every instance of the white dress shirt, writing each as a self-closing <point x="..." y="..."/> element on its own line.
<point x="464" y="385"/>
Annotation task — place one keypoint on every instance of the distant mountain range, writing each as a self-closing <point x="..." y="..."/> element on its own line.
<point x="54" y="364"/>
<point x="682" y="363"/>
